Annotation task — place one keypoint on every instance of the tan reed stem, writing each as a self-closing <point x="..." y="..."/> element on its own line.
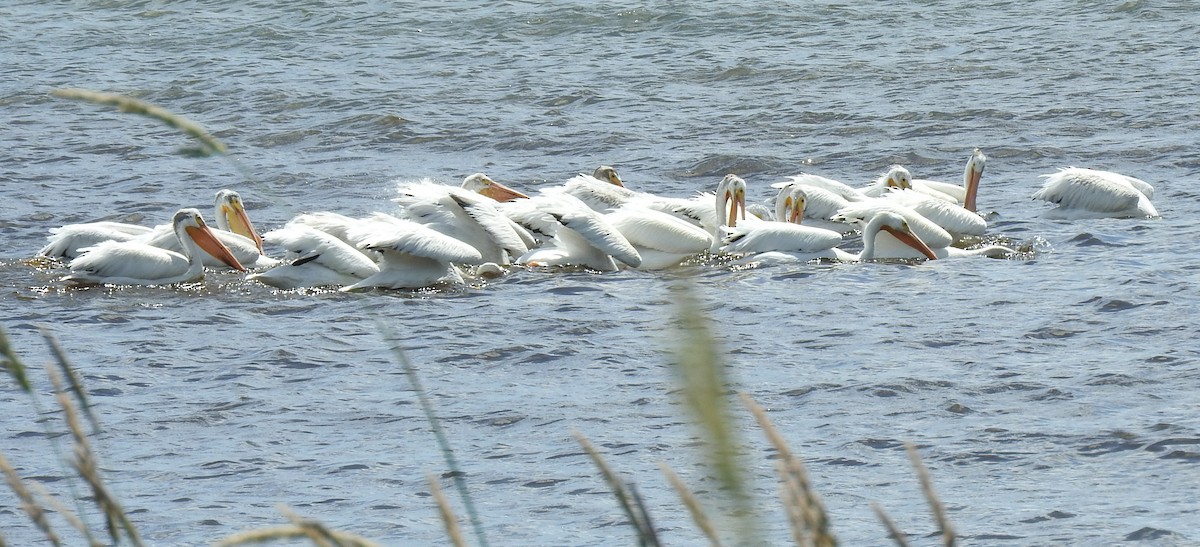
<point x="693" y="504"/>
<point x="448" y="517"/>
<point x="893" y="530"/>
<point x="28" y="503"/>
<point x="646" y="534"/>
<point x="939" y="510"/>
<point x="142" y="108"/>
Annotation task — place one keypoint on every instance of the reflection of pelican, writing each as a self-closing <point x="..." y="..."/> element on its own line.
<point x="1087" y="193"/>
<point x="412" y="255"/>
<point x="963" y="194"/>
<point x="135" y="263"/>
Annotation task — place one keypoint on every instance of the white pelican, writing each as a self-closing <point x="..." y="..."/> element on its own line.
<point x="783" y="239"/>
<point x="465" y="215"/>
<point x="66" y="241"/>
<point x="956" y="219"/>
<point x="235" y="231"/>
<point x="963" y="194"/>
<point x="578" y="235"/>
<point x="886" y="245"/>
<point x="413" y="255"/>
<point x="824" y="197"/>
<point x="316" y="259"/>
<point x="895" y="177"/>
<point x="134" y="263"/>
<point x="662" y="240"/>
<point x="1087" y="193"/>
<point x="602" y="190"/>
<point x="888" y="235"/>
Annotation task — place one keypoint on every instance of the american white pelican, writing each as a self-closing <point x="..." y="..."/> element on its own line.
<point x="66" y="241"/>
<point x="661" y="240"/>
<point x="578" y="235"/>
<point x="134" y="263"/>
<point x="962" y="194"/>
<point x="888" y="245"/>
<point x="956" y="219"/>
<point x="1088" y="193"/>
<point x="784" y="238"/>
<point x="602" y="190"/>
<point x="888" y="235"/>
<point x="895" y="177"/>
<point x="465" y="215"/>
<point x="235" y="231"/>
<point x="314" y="259"/>
<point x="824" y="197"/>
<point x="413" y="255"/>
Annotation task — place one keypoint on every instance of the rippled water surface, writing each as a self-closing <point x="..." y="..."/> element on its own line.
<point x="1054" y="396"/>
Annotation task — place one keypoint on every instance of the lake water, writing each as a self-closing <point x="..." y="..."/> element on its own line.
<point x="1054" y="396"/>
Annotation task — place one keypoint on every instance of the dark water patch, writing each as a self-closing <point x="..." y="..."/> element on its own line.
<point x="1053" y="515"/>
<point x="1152" y="534"/>
<point x="1049" y="333"/>
<point x="960" y="409"/>
<point x="1165" y="444"/>
<point x="882" y="444"/>
<point x="1110" y="447"/>
<point x="1116" y="379"/>
<point x="1090" y="240"/>
<point x="543" y="483"/>
<point x="501" y="421"/>
<point x="1052" y="395"/>
<point x="992" y="537"/>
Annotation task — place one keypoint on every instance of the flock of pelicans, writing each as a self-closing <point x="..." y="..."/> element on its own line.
<point x="593" y="221"/>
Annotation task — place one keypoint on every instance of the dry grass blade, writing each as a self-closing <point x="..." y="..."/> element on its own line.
<point x="794" y="504"/>
<point x="893" y="530"/>
<point x="693" y="504"/>
<point x="939" y="510"/>
<point x="447" y="513"/>
<point x="645" y="532"/>
<point x="460" y="483"/>
<point x="11" y="363"/>
<point x="804" y="500"/>
<point x="301" y="528"/>
<point x="54" y="504"/>
<point x="134" y="106"/>
<point x="67" y="371"/>
<point x="28" y="504"/>
<point x="85" y="465"/>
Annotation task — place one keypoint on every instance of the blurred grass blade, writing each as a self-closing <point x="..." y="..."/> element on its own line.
<point x="693" y="504"/>
<point x="12" y="363"/>
<point x="28" y="504"/>
<point x="701" y="374"/>
<point x="935" y="504"/>
<point x="630" y="503"/>
<point x="448" y="517"/>
<point x="210" y="145"/>
<point x="801" y="498"/>
<point x="85" y="464"/>
<point x="893" y="530"/>
<point x="72" y="378"/>
<point x="460" y="483"/>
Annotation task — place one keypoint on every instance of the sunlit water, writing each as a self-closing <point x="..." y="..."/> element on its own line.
<point x="1053" y="396"/>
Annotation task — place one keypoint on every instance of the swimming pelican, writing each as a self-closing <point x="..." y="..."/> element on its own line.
<point x="824" y="197"/>
<point x="888" y="235"/>
<point x="235" y="231"/>
<point x="936" y="239"/>
<point x="413" y="255"/>
<point x="785" y="238"/>
<point x="1088" y="193"/>
<point x="956" y="219"/>
<point x="963" y="194"/>
<point x="135" y="263"/>
<point x="465" y="215"/>
<point x="66" y="241"/>
<point x="315" y="259"/>
<point x="661" y="240"/>
<point x="578" y="235"/>
<point x="602" y="191"/>
<point x="895" y="177"/>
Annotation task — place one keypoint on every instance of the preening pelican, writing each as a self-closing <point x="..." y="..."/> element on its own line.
<point x="963" y="194"/>
<point x="412" y="255"/>
<point x="135" y="263"/>
<point x="314" y="259"/>
<point x="1088" y="193"/>
<point x="465" y="215"/>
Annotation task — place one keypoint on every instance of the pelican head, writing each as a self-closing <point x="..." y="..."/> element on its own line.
<point x="971" y="176"/>
<point x="190" y="226"/>
<point x="789" y="204"/>
<point x="483" y="184"/>
<point x="609" y="175"/>
<point x="898" y="177"/>
<point x="731" y="198"/>
<point x="231" y="217"/>
<point x="895" y="225"/>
